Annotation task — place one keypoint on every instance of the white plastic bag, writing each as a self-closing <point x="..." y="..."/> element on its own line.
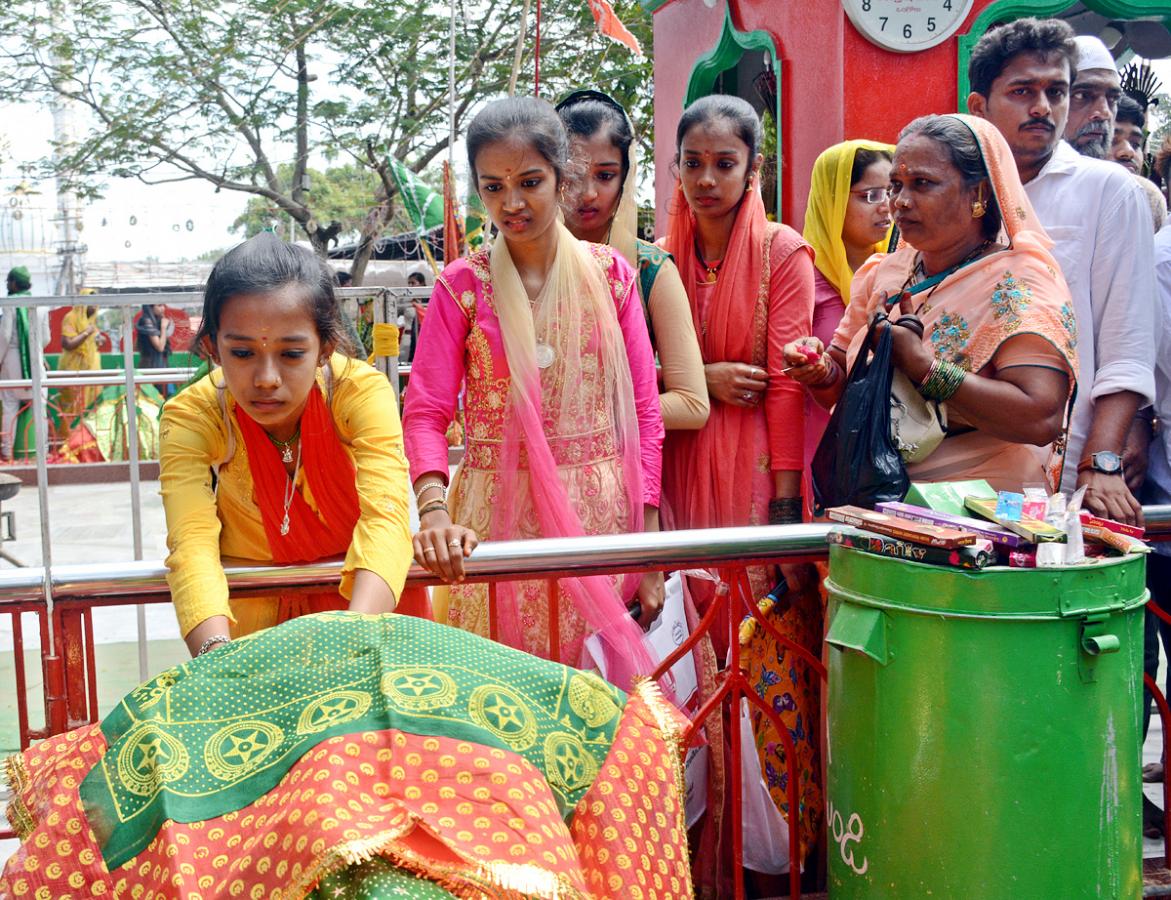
<point x="766" y="833"/>
<point x="667" y="632"/>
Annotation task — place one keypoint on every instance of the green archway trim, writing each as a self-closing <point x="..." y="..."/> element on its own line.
<point x="1006" y="10"/>
<point x="727" y="52"/>
<point x="732" y="44"/>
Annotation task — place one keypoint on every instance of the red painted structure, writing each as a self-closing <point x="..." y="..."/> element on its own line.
<point x="834" y="84"/>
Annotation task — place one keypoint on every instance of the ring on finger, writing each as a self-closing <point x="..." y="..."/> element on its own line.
<point x="428" y="550"/>
<point x="747" y="395"/>
<point x="455" y="543"/>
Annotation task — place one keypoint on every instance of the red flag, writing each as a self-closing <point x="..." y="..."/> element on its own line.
<point x="452" y="237"/>
<point x="611" y="26"/>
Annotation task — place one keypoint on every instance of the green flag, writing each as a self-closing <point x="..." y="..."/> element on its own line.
<point x="423" y="205"/>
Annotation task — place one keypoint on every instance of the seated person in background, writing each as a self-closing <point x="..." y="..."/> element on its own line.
<point x="288" y="452"/>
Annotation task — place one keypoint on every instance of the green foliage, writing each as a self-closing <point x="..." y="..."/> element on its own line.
<point x="341" y="194"/>
<point x="244" y="94"/>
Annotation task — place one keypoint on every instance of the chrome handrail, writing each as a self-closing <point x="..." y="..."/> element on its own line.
<point x="493" y="560"/>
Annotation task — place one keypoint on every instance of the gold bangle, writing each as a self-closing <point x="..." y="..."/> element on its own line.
<point x="432" y="506"/>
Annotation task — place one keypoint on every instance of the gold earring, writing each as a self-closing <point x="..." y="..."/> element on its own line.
<point x="979" y="207"/>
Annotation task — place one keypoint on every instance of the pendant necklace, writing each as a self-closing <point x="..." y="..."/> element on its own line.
<point x="712" y="269"/>
<point x="290" y="489"/>
<point x="544" y="352"/>
<point x="286" y="447"/>
<point x="545" y="355"/>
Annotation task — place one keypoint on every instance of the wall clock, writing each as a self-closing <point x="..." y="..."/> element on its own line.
<point x="907" y="26"/>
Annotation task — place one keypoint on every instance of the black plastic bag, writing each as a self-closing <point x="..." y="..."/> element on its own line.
<point x="856" y="462"/>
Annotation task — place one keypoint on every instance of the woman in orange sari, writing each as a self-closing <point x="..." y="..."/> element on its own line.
<point x="983" y="318"/>
<point x="286" y="452"/>
<point x="750" y="287"/>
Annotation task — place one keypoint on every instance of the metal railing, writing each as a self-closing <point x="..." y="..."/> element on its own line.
<point x="70" y="672"/>
<point x="388" y="304"/>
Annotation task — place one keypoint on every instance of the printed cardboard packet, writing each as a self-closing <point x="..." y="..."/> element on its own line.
<point x="1033" y="530"/>
<point x="988" y="530"/>
<point x="904" y="529"/>
<point x="977" y="556"/>
<point x="947" y="496"/>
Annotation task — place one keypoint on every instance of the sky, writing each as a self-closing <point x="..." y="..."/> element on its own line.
<point x="135" y="221"/>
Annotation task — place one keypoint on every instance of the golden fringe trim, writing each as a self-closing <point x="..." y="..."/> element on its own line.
<point x="667" y="719"/>
<point x="496" y="880"/>
<point x="20" y="817"/>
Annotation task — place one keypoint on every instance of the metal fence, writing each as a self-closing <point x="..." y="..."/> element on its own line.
<point x="63" y="598"/>
<point x="389" y="304"/>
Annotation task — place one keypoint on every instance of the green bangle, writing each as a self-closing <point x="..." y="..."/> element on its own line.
<point x="942" y="381"/>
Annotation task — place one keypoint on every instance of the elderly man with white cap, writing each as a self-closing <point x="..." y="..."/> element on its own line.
<point x="1093" y="99"/>
<point x="1021" y="75"/>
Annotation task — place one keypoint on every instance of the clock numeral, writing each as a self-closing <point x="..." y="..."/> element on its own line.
<point x="907" y="31"/>
<point x="931" y="24"/>
<point x="883" y="20"/>
<point x="865" y="5"/>
<point x="947" y="5"/>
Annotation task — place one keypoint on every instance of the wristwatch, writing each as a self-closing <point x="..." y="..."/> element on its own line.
<point x="1105" y="461"/>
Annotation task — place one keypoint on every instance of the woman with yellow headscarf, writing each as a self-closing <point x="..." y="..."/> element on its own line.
<point x="847" y="221"/>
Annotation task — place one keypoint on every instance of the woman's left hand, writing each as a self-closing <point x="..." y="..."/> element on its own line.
<point x="911" y="356"/>
<point x="650" y="597"/>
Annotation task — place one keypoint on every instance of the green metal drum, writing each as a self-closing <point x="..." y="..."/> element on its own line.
<point x="984" y="730"/>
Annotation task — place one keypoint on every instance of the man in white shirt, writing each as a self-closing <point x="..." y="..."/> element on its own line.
<point x="1100" y="225"/>
<point x="1157" y="490"/>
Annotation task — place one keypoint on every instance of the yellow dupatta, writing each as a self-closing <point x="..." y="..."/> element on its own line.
<point x="829" y="194"/>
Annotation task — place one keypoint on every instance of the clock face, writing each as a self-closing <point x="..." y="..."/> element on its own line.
<point x="906" y="26"/>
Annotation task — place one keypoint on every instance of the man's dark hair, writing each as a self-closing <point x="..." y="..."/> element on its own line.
<point x="1131" y="112"/>
<point x="1162" y="167"/>
<point x="994" y="51"/>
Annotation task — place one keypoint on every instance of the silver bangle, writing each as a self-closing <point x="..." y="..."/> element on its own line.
<point x="212" y="641"/>
<point x="427" y="485"/>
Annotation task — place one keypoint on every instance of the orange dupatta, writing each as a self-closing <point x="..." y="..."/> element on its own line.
<point x="331" y="476"/>
<point x="727" y="330"/>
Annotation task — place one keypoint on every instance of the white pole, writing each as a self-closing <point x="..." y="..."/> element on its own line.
<point x="451" y="92"/>
<point x="65" y="139"/>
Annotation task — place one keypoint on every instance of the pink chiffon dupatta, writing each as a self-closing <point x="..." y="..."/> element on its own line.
<point x="575" y="301"/>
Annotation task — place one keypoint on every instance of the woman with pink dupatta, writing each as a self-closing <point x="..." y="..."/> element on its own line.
<point x="564" y="433"/>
